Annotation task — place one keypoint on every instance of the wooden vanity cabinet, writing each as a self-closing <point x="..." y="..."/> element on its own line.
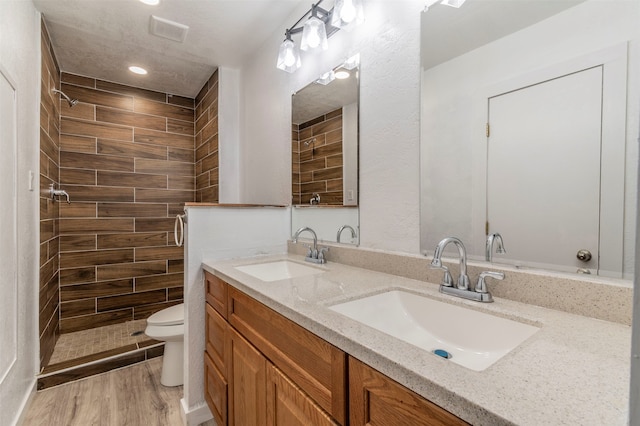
<point x="377" y="400"/>
<point x="263" y="369"/>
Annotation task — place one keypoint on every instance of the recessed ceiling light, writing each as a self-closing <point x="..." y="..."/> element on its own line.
<point x="342" y="74"/>
<point x="137" y="70"/>
<point x="150" y="2"/>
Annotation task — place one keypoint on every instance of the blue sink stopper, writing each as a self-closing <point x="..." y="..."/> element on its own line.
<point x="442" y="353"/>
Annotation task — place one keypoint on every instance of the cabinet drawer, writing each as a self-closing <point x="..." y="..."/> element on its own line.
<point x="215" y="391"/>
<point x="315" y="365"/>
<point x="216" y="293"/>
<point x="377" y="400"/>
<point x="216" y="331"/>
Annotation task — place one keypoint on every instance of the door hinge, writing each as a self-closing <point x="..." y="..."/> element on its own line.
<point x="488" y="130"/>
<point x="486" y="228"/>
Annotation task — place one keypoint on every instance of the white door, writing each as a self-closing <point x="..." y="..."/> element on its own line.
<point x="543" y="175"/>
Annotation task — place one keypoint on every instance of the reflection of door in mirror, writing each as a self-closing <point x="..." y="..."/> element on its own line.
<point x="535" y="134"/>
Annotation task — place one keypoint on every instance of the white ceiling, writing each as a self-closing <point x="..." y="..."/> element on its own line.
<point x="102" y="38"/>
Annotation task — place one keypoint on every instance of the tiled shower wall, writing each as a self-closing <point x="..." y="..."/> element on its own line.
<point x="127" y="162"/>
<point x="207" y="142"/>
<point x="49" y="212"/>
<point x="317" y="159"/>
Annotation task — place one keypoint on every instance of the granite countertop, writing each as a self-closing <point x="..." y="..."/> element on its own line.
<point x="573" y="371"/>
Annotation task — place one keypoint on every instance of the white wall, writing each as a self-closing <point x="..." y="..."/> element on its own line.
<point x="350" y="154"/>
<point x="229" y="134"/>
<point x="389" y="47"/>
<point x="20" y="58"/>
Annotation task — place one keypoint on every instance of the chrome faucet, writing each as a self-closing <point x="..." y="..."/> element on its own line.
<point x="463" y="278"/>
<point x="342" y="228"/>
<point x="493" y="238"/>
<point x="480" y="293"/>
<point x="313" y="255"/>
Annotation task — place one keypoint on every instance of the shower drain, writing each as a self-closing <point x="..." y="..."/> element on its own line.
<point x="137" y="333"/>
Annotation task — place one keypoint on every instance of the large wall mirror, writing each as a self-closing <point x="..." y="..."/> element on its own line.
<point x="529" y="127"/>
<point x="324" y="155"/>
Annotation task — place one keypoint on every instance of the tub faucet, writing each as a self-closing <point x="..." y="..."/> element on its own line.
<point x="494" y="238"/>
<point x="53" y="193"/>
<point x="342" y="228"/>
<point x="463" y="278"/>
<point x="313" y="255"/>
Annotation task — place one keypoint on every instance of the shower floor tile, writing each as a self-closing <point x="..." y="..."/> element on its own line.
<point x="88" y="342"/>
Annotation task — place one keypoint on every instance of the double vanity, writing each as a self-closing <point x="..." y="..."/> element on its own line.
<point x="338" y="344"/>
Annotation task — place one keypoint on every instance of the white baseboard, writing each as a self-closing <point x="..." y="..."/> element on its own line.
<point x="26" y="403"/>
<point x="193" y="416"/>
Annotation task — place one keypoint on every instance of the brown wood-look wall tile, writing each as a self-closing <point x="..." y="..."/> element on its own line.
<point x="94" y="290"/>
<point x="202" y="180"/>
<point x="77" y="176"/>
<point x="131" y="180"/>
<point x="78" y="80"/>
<point x="78" y="144"/>
<point x="126" y="118"/>
<point x="159" y="195"/>
<point x="159" y="253"/>
<point x="78" y="307"/>
<point x="48" y="147"/>
<point x="155" y="137"/>
<point x="77" y="275"/>
<point x="333" y="136"/>
<point x="154" y="224"/>
<point x="180" y="127"/>
<point x="176" y="265"/>
<point x="95" y="257"/>
<point x="138" y="239"/>
<point x="98" y="97"/>
<point x="96" y="226"/>
<point x="131" y="300"/>
<point x="155" y="282"/>
<point x="334" y="160"/>
<point x="164" y="110"/>
<point x="132" y="210"/>
<point x="210" y="161"/>
<point x="131" y="91"/>
<point x="167" y="167"/>
<point x="81" y="111"/>
<point x="77" y="242"/>
<point x="179" y="154"/>
<point x="313" y="187"/>
<point x="176" y="293"/>
<point x="326" y="174"/>
<point x="174" y="209"/>
<point x="95" y="129"/>
<point x="98" y="162"/>
<point x="131" y="150"/>
<point x="99" y="193"/>
<point x="127" y="270"/>
<point x="181" y="101"/>
<point x="142" y="312"/>
<point x="335" y="185"/>
<point x="186" y="183"/>
<point x="85" y="322"/>
<point x="77" y="209"/>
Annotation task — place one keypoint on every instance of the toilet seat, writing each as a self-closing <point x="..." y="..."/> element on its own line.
<point x="173" y="315"/>
<point x="165" y="332"/>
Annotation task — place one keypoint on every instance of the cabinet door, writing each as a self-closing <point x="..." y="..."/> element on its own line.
<point x="288" y="405"/>
<point x="216" y="332"/>
<point x="376" y="400"/>
<point x="247" y="371"/>
<point x="215" y="391"/>
<point x="216" y="293"/>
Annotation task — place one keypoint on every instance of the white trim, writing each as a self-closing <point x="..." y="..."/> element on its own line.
<point x="196" y="415"/>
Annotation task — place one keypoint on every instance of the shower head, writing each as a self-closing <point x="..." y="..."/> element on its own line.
<point x="71" y="102"/>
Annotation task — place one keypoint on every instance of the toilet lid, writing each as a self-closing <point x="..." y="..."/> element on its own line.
<point x="169" y="316"/>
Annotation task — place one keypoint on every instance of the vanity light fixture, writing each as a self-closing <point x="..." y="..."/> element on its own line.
<point x="137" y="70"/>
<point x="453" y="3"/>
<point x="314" y="33"/>
<point x="317" y="29"/>
<point x="326" y="78"/>
<point x="342" y="74"/>
<point x="151" y="2"/>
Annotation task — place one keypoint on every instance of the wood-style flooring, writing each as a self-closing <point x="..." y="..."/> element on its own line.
<point x="131" y="396"/>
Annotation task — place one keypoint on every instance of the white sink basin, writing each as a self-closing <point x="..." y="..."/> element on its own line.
<point x="279" y="270"/>
<point x="469" y="338"/>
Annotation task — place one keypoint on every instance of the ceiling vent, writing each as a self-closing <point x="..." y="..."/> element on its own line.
<point x="167" y="29"/>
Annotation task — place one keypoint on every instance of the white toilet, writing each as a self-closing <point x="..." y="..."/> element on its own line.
<point x="168" y="325"/>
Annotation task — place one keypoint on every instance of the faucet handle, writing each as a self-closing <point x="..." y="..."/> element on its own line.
<point x="321" y="253"/>
<point x="481" y="287"/>
<point x="447" y="279"/>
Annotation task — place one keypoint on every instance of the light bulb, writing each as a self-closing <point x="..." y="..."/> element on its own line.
<point x="289" y="58"/>
<point x="314" y="35"/>
<point x="313" y="40"/>
<point x="348" y="12"/>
